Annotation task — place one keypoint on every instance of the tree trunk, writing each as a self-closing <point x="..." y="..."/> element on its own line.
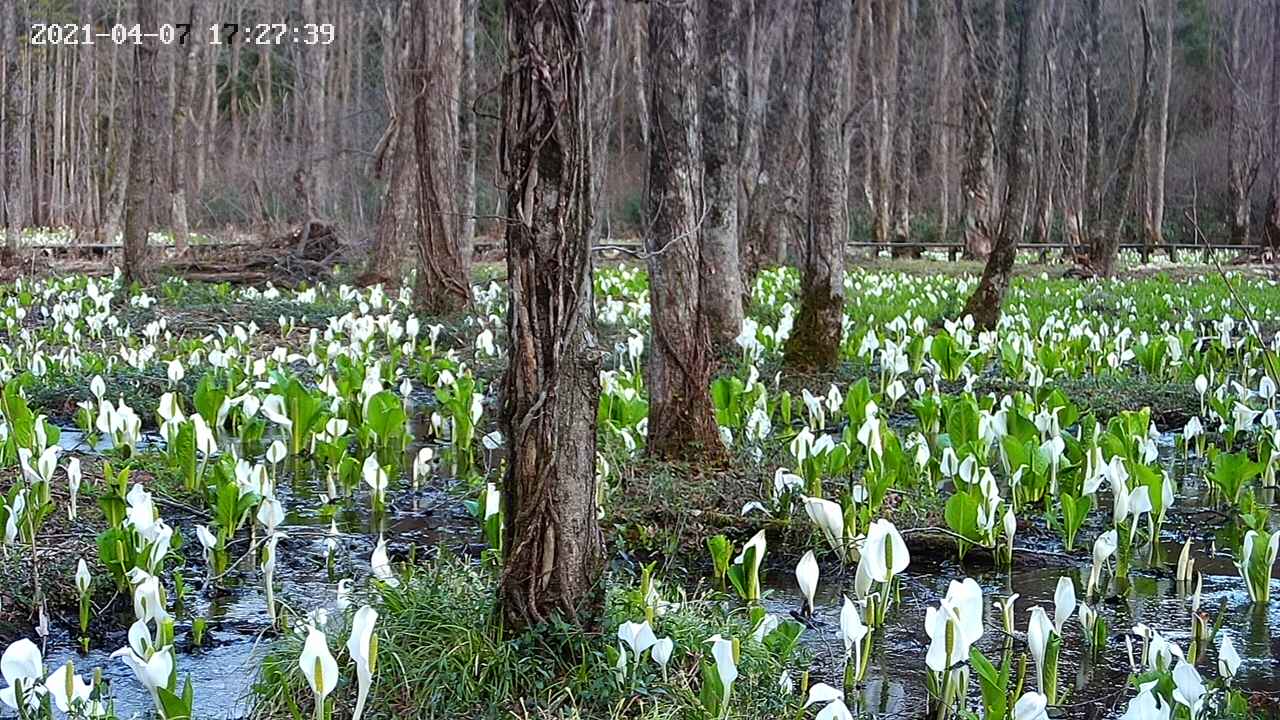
<point x="681" y="418"/>
<point x="181" y="138"/>
<point x="984" y="304"/>
<point x="397" y="159"/>
<point x="143" y="181"/>
<point x="721" y="111"/>
<point x="904" y="171"/>
<point x="1160" y="154"/>
<point x="815" y="341"/>
<point x="12" y="145"/>
<point x="444" y="263"/>
<point x="777" y="201"/>
<point x="1093" y="177"/>
<point x="467" y="121"/>
<point x="1237" y="164"/>
<point x="976" y="172"/>
<point x="1271" y="223"/>
<point x="885" y="50"/>
<point x="1105" y="242"/>
<point x="762" y="36"/>
<point x="551" y="388"/>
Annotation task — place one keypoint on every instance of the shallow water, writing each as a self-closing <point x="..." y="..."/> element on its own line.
<point x="224" y="670"/>
<point x="1094" y="687"/>
<point x="238" y="634"/>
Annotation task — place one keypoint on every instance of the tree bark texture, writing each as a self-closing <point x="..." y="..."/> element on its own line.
<point x="444" y="260"/>
<point x="985" y="302"/>
<point x="778" y="201"/>
<point x="1106" y="233"/>
<point x="397" y="157"/>
<point x="681" y="418"/>
<point x="144" y="184"/>
<point x="182" y="137"/>
<point x="979" y="118"/>
<point x="12" y="146"/>
<point x="815" y="340"/>
<point x="551" y="388"/>
<point x="721" y="113"/>
<point x="1271" y="223"/>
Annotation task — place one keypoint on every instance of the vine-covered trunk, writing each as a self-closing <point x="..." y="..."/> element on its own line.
<point x="815" y="340"/>
<point x="444" y="259"/>
<point x="681" y="418"/>
<point x="551" y="388"/>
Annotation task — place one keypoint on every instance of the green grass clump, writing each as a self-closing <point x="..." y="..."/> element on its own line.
<point x="442" y="653"/>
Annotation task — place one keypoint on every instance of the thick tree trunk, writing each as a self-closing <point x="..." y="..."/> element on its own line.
<point x="182" y="138"/>
<point x="397" y="159"/>
<point x="12" y="145"/>
<point x="976" y="172"/>
<point x="1105" y="241"/>
<point x="444" y="262"/>
<point x="143" y="180"/>
<point x="551" y="388"/>
<point x="815" y="341"/>
<point x="681" y="418"/>
<point x="985" y="302"/>
<point x="721" y="111"/>
<point x="395" y="219"/>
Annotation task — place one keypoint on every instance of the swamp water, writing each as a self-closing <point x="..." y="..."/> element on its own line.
<point x="224" y="668"/>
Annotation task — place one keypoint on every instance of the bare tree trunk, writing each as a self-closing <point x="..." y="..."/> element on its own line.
<point x="1160" y="155"/>
<point x="1105" y="241"/>
<point x="885" y="49"/>
<point x="778" y="201"/>
<point x="1047" y="145"/>
<point x="444" y="263"/>
<point x="1237" y="165"/>
<point x="12" y="150"/>
<point x="143" y="181"/>
<point x="1271" y="224"/>
<point x="976" y="172"/>
<point x="551" y="389"/>
<point x="1095" y="140"/>
<point x="762" y="36"/>
<point x="395" y="153"/>
<point x="467" y="121"/>
<point x="815" y="341"/>
<point x="721" y="111"/>
<point x="181" y="138"/>
<point x="944" y="142"/>
<point x="681" y="418"/>
<point x="603" y="53"/>
<point x="985" y="302"/>
<point x="904" y="171"/>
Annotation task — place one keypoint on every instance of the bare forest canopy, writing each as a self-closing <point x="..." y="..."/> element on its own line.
<point x="259" y="132"/>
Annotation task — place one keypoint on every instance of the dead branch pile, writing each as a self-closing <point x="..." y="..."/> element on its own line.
<point x="307" y="254"/>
